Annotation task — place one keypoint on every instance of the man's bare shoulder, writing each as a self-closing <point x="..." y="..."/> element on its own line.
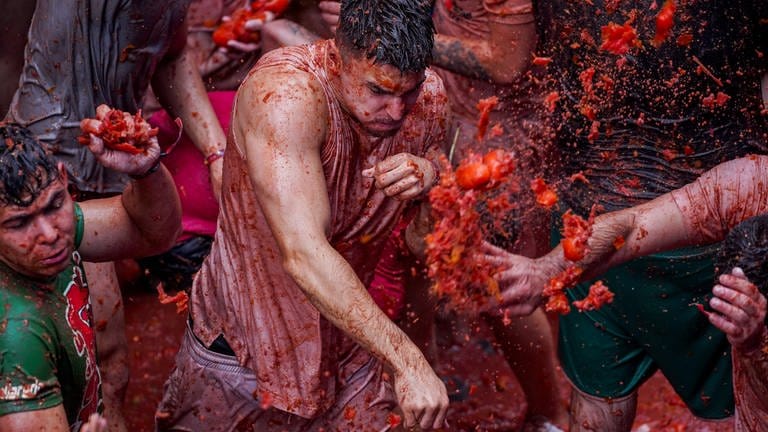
<point x="433" y="97"/>
<point x="278" y="85"/>
<point x="283" y="104"/>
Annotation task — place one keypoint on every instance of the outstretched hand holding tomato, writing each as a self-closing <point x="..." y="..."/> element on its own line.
<point x="403" y="176"/>
<point x="121" y="141"/>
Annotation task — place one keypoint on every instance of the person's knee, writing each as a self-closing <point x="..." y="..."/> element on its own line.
<point x="592" y="413"/>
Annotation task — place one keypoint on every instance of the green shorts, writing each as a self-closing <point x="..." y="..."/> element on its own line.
<point x="652" y="325"/>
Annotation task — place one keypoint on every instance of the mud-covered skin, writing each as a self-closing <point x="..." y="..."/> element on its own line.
<point x="70" y="69"/>
<point x="655" y="133"/>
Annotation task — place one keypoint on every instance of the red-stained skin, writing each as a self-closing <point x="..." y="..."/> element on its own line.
<point x="379" y="97"/>
<point x="37" y="241"/>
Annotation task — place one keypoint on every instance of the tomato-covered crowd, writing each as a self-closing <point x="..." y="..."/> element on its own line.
<point x="584" y="177"/>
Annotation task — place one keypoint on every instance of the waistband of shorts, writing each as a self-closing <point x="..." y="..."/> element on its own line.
<point x="209" y="359"/>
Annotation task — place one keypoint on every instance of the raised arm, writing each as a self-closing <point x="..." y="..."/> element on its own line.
<point x="282" y="122"/>
<point x="180" y="90"/>
<point x="500" y="58"/>
<point x="144" y="220"/>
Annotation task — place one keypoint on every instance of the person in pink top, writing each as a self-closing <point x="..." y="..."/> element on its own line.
<point x="329" y="144"/>
<point x="700" y="213"/>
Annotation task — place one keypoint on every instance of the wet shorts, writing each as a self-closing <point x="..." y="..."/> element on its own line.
<point x="209" y="391"/>
<point x="177" y="267"/>
<point x="652" y="324"/>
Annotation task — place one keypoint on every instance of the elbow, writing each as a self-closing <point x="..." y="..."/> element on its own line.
<point x="295" y="262"/>
<point x="163" y="239"/>
<point x="509" y="73"/>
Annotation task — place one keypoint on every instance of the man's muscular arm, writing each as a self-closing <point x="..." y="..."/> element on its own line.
<point x="502" y="58"/>
<point x="282" y="120"/>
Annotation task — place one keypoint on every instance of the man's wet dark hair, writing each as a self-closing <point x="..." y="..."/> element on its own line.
<point x="398" y="33"/>
<point x="746" y="246"/>
<point x="25" y="167"/>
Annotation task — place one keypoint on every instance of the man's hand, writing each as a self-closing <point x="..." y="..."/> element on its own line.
<point x="329" y="11"/>
<point x="131" y="164"/>
<point x="416" y="231"/>
<point x="521" y="279"/>
<point x="422" y="397"/>
<point x="403" y="176"/>
<point x="739" y="310"/>
<point x="95" y="423"/>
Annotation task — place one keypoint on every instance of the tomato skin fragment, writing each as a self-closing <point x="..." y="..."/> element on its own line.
<point x="572" y="250"/>
<point x="500" y="164"/>
<point x="393" y="420"/>
<point x="485" y="106"/>
<point x="665" y="20"/>
<point x="118" y="129"/>
<point x="618" y="39"/>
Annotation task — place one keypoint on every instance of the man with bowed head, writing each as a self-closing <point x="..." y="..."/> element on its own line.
<point x="48" y="372"/>
<point x="329" y="144"/>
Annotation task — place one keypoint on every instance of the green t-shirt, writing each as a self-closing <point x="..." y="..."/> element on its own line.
<point x="47" y="342"/>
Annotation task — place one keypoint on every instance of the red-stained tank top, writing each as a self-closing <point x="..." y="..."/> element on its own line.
<point x="242" y="290"/>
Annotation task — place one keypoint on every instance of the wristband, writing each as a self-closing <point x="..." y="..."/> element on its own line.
<point x="213" y="157"/>
<point x="154" y="168"/>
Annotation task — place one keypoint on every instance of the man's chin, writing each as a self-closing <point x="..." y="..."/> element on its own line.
<point x="383" y="130"/>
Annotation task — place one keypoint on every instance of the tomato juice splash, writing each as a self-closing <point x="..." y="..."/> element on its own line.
<point x="485" y="106"/>
<point x="619" y="39"/>
<point x="454" y="260"/>
<point x="576" y="232"/>
<point x="665" y="20"/>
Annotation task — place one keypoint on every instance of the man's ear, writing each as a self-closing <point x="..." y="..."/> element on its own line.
<point x="62" y="172"/>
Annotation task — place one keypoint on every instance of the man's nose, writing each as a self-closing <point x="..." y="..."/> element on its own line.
<point x="396" y="108"/>
<point x="47" y="232"/>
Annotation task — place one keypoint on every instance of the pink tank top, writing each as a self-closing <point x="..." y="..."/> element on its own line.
<point x="242" y="290"/>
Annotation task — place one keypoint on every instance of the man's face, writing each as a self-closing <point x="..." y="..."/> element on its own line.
<point x="37" y="241"/>
<point x="378" y="96"/>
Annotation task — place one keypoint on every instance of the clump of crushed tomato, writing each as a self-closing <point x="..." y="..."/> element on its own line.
<point x="118" y="129"/>
<point x="454" y="261"/>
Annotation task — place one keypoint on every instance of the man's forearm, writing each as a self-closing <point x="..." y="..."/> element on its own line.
<point x="620" y="236"/>
<point x="461" y="57"/>
<point x="501" y="59"/>
<point x="334" y="289"/>
<point x="153" y="206"/>
<point x="181" y="92"/>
